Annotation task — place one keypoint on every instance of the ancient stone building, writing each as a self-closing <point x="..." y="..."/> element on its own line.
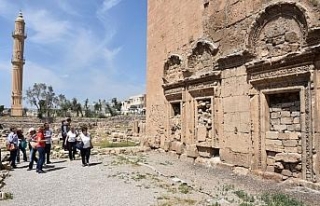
<point x="239" y="80"/>
<point x="17" y="66"/>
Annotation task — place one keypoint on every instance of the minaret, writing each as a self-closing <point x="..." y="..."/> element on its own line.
<point x="17" y="66"/>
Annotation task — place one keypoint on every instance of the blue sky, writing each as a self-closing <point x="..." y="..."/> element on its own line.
<point x="92" y="49"/>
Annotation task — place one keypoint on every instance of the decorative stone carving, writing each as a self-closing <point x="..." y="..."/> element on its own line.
<point x="173" y="69"/>
<point x="201" y="57"/>
<point x="279" y="29"/>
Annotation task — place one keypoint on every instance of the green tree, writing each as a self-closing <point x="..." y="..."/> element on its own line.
<point x="1" y="109"/>
<point x="115" y="104"/>
<point x="43" y="98"/>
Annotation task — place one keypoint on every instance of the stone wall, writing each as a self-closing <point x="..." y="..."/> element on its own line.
<point x="247" y="82"/>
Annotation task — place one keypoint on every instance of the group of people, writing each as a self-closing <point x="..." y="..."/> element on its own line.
<point x="40" y="141"/>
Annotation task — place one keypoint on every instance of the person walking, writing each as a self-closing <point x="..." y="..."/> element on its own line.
<point x="22" y="146"/>
<point x="70" y="143"/>
<point x="85" y="138"/>
<point x="13" y="143"/>
<point x="41" y="144"/>
<point x="48" y="137"/>
<point x="32" y="140"/>
<point x="65" y="127"/>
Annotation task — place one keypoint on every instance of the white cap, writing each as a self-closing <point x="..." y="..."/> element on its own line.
<point x="31" y="129"/>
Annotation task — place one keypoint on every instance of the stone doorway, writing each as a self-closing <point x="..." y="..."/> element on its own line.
<point x="283" y="134"/>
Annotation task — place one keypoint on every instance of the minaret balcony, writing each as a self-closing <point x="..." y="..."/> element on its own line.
<point x="18" y="35"/>
<point x="17" y="61"/>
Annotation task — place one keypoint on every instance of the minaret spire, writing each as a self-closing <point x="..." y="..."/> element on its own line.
<point x="17" y="65"/>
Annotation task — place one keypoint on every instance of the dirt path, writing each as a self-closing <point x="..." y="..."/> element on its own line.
<point x="150" y="179"/>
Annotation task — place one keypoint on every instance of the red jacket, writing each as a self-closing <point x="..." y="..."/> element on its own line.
<point x="41" y="139"/>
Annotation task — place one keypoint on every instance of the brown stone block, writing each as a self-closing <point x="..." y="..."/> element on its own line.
<point x="192" y="151"/>
<point x="272" y="135"/>
<point x="290" y="143"/>
<point x="290" y="149"/>
<point x="288" y="157"/>
<point x="285" y="114"/>
<point x="273" y="176"/>
<point x="270" y="161"/>
<point x="176" y="146"/>
<point x="286" y="173"/>
<point x="201" y="133"/>
<point x="270" y="169"/>
<point x="286" y="120"/>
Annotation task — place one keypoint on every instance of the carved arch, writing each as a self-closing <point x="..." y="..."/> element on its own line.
<point x="172" y="68"/>
<point x="282" y="26"/>
<point x="201" y="56"/>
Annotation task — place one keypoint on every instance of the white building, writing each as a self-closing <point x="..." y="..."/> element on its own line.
<point x="135" y="104"/>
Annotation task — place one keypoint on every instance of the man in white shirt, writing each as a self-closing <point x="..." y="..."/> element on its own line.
<point x="48" y="136"/>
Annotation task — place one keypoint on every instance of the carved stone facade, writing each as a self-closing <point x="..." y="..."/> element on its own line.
<point x="244" y="87"/>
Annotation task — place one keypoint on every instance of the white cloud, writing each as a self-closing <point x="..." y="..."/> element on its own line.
<point x="35" y="73"/>
<point x="108" y="4"/>
<point x="46" y="27"/>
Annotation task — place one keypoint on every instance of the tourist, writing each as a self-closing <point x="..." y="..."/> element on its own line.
<point x="85" y="138"/>
<point x="32" y="141"/>
<point x="65" y="127"/>
<point x="48" y="136"/>
<point x="13" y="143"/>
<point x="70" y="143"/>
<point x="22" y="146"/>
<point x="41" y="144"/>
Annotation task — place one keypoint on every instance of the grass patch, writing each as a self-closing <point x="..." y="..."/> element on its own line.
<point x="184" y="188"/>
<point x="244" y="196"/>
<point x="280" y="200"/>
<point x="107" y="144"/>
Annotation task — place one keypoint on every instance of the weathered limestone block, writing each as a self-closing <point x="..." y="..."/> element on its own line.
<point x="272" y="135"/>
<point x="285" y="113"/>
<point x="291" y="149"/>
<point x="270" y="161"/>
<point x="274" y="115"/>
<point x="176" y="146"/>
<point x="295" y="114"/>
<point x="290" y="143"/>
<point x="166" y="145"/>
<point x="288" y="157"/>
<point x="286" y="173"/>
<point x="201" y="133"/>
<point x="286" y="120"/>
<point x="280" y="128"/>
<point x="296" y="120"/>
<point x="192" y="151"/>
<point x="272" y="175"/>
<point x="241" y="171"/>
<point x="205" y="152"/>
<point x="278" y="165"/>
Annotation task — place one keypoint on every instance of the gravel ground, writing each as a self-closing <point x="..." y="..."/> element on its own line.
<point x="160" y="180"/>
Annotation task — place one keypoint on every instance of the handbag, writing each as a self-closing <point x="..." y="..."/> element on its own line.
<point x="79" y="145"/>
<point x="23" y="144"/>
<point x="34" y="145"/>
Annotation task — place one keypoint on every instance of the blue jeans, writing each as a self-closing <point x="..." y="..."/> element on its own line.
<point x="41" y="152"/>
<point x="32" y="157"/>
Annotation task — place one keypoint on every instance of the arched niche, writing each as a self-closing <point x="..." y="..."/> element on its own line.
<point x="279" y="29"/>
<point x="173" y="68"/>
<point x="201" y="57"/>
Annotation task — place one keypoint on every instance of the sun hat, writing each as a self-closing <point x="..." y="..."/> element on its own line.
<point x="31" y="129"/>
